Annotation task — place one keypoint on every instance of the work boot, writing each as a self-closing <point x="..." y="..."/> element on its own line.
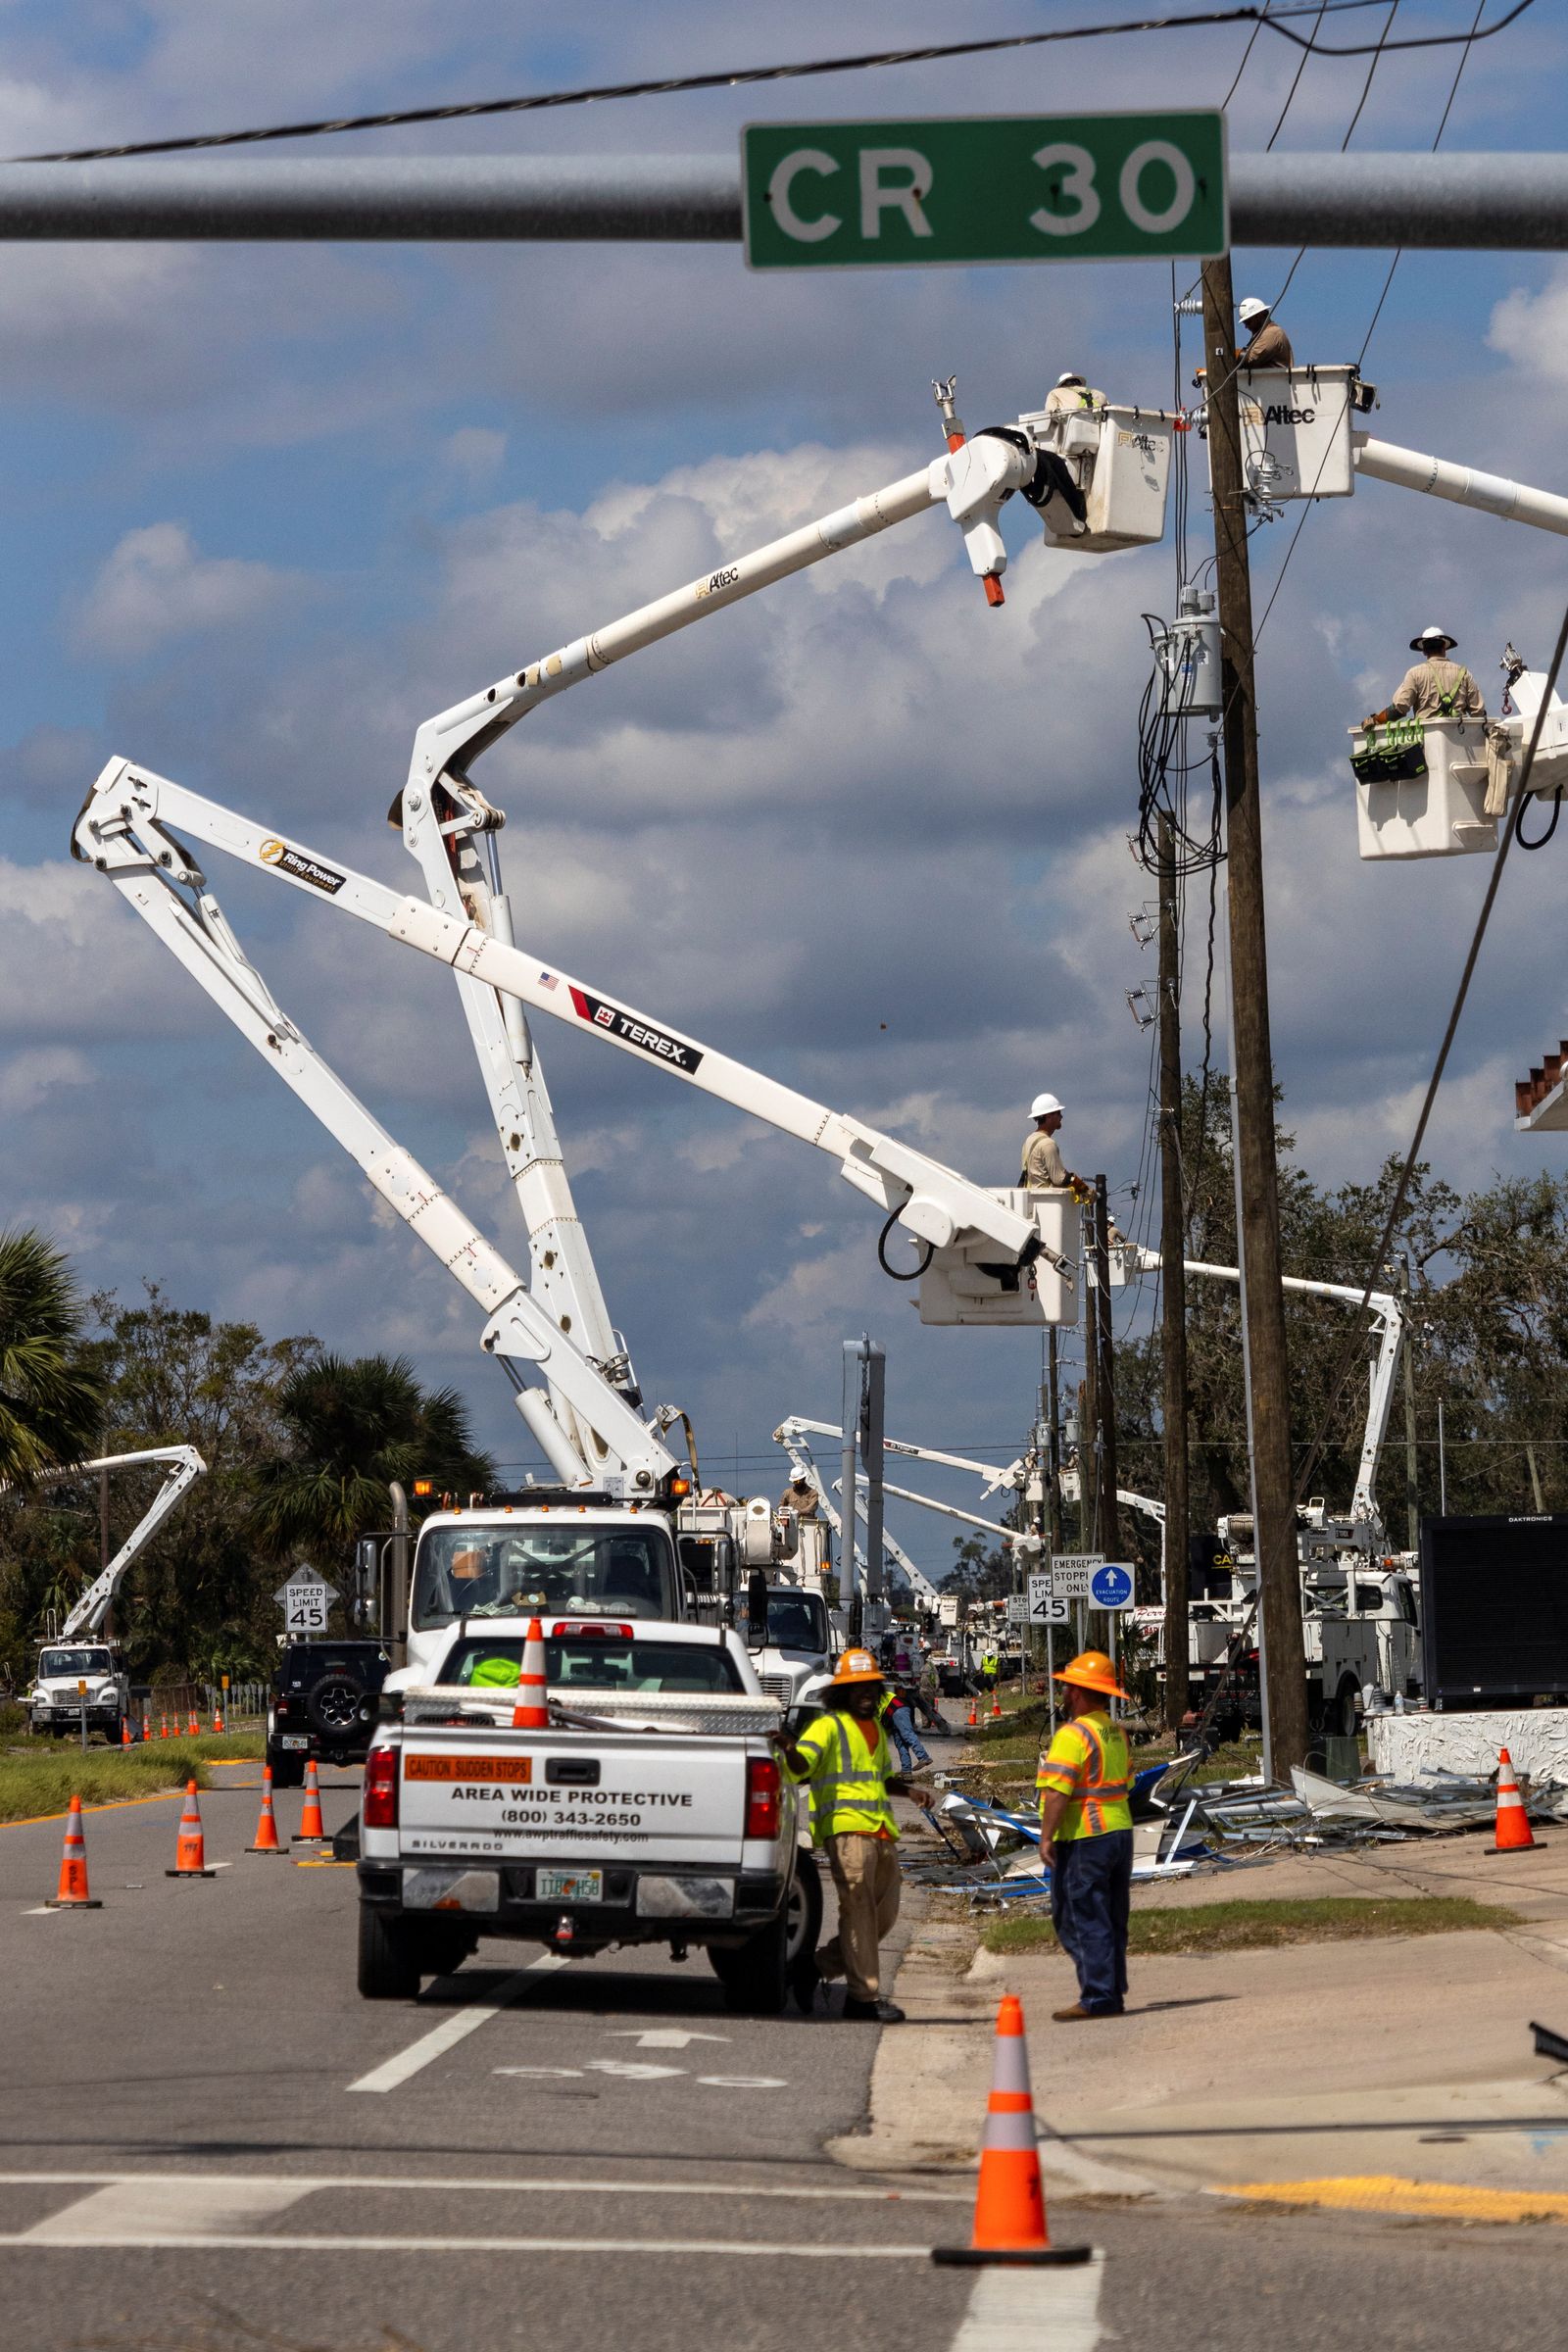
<point x="1072" y="2015"/>
<point x="878" y="2012"/>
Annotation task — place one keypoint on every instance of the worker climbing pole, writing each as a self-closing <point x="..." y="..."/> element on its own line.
<point x="1284" y="1658"/>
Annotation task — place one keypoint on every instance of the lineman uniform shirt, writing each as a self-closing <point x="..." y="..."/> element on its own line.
<point x="1087" y="1762"/>
<point x="1270" y="347"/>
<point x="1439" y="689"/>
<point x="1043" y="1168"/>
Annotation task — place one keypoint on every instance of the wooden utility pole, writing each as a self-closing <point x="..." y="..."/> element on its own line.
<point x="1253" y="1074"/>
<point x="1091" y="1535"/>
<point x="1173" y="1280"/>
<point x="1413" y="1507"/>
<point x="1110" y="1518"/>
<point x="1053" y="1439"/>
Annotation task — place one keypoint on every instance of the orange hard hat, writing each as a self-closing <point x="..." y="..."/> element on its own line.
<point x="1092" y="1670"/>
<point x="858" y="1666"/>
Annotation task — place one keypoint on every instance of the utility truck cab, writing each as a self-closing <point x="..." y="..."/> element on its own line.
<point x="791" y="1646"/>
<point x="58" y="1695"/>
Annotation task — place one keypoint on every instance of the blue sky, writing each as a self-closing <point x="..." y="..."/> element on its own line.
<point x="267" y="507"/>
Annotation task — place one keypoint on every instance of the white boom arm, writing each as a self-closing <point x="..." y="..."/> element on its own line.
<point x="125" y="830"/>
<point x="994" y="1480"/>
<point x="1463" y="485"/>
<point x="452" y="831"/>
<point x="788" y="1436"/>
<point x="1148" y="1504"/>
<point x="1388" y="1325"/>
<point x="184" y="1466"/>
<point x="154" y="874"/>
<point x="1026" y="1541"/>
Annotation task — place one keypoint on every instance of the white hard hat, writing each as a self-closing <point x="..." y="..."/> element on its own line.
<point x="1068" y="378"/>
<point x="1250" y="307"/>
<point x="1433" y="636"/>
<point x="1042" y="1105"/>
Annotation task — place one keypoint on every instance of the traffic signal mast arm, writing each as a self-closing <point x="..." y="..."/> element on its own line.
<point x="123" y="832"/>
<point x="184" y="1465"/>
<point x="125" y="829"/>
<point x="1388" y="1325"/>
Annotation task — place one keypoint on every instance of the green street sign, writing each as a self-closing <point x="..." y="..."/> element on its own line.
<point x="984" y="188"/>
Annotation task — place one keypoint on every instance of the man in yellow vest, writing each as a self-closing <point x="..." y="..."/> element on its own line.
<point x="844" y="1759"/>
<point x="1086" y="1826"/>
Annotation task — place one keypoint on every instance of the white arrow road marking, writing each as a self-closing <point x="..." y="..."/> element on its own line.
<point x="453" y="2029"/>
<point x="632" y="2068"/>
<point x="663" y="2037"/>
<point x="1018" y="2311"/>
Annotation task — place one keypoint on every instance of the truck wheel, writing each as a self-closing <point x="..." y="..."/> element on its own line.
<point x="389" y="1961"/>
<point x="288" y="1767"/>
<point x="753" y="1978"/>
<point x="803" y="1931"/>
<point x="1346" y="1714"/>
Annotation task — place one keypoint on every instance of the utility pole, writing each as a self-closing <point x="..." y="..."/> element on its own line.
<point x="1109" y="1535"/>
<point x="1279" y="1581"/>
<point x="1091" y="1533"/>
<point x="1412" y="1507"/>
<point x="1173" y="1277"/>
<point x="103" y="1545"/>
<point x="1050" y="1407"/>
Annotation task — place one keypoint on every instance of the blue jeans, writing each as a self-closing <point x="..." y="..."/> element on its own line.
<point x="905" y="1738"/>
<point x="1091" y="1895"/>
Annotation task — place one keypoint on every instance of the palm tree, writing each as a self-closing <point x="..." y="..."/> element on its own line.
<point x="51" y="1400"/>
<point x="353" y="1425"/>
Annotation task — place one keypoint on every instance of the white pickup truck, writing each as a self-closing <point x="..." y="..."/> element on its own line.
<point x="653" y="1810"/>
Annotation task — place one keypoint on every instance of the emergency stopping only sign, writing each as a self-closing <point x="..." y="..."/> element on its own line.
<point x="984" y="188"/>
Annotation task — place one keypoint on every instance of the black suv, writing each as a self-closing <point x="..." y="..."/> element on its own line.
<point x="323" y="1705"/>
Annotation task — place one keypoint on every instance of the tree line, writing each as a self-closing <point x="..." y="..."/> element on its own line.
<point x="301" y="1445"/>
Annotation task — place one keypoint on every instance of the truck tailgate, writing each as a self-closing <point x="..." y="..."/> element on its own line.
<point x="516" y="1794"/>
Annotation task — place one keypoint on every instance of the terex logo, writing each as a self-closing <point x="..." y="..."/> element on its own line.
<point x="628" y="1030"/>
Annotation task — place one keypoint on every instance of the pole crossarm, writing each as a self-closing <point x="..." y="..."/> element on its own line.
<point x="1474" y="200"/>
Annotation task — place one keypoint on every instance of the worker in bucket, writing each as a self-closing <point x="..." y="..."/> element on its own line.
<point x="1043" y="1168"/>
<point x="844" y="1759"/>
<point x="800" y="1497"/>
<point x="1267" y="345"/>
<point x="1434" y="687"/>
<point x="1086" y="1827"/>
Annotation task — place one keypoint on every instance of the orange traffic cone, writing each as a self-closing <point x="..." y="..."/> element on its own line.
<point x="1513" y="1832"/>
<point x="312" y="1827"/>
<point x="190" y="1853"/>
<point x="124" y="1731"/>
<point x="217" y="1721"/>
<point x="1009" y="2205"/>
<point x="72" y="1893"/>
<point x="146" y="1725"/>
<point x="162" y="1727"/>
<point x="267" y="1827"/>
<point x="195" y="1731"/>
<point x="996" y="1703"/>
<point x="974" y="1720"/>
<point x="532" y="1710"/>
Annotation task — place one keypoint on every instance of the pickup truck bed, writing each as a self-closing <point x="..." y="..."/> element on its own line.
<point x="633" y="1818"/>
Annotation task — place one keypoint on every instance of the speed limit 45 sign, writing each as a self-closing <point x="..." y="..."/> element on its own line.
<point x="985" y="188"/>
<point x="306" y="1599"/>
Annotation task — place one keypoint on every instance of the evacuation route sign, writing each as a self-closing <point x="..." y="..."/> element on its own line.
<point x="984" y="188"/>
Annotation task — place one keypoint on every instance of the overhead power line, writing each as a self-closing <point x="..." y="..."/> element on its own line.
<point x="1265" y="19"/>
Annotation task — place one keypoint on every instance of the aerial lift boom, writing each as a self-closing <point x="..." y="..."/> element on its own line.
<point x="184" y="1466"/>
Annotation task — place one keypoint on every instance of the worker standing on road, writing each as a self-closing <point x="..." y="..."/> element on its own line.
<point x="1086" y="1826"/>
<point x="1268" y="345"/>
<point x="844" y="1759"/>
<point x="1435" y="687"/>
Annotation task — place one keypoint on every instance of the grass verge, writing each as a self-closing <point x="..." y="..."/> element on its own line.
<point x="1250" y="1926"/>
<point x="35" y="1783"/>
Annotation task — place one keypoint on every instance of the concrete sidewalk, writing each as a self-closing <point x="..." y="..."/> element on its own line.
<point x="1304" y="2064"/>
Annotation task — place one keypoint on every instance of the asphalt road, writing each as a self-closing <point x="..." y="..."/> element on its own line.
<point x="210" y="2141"/>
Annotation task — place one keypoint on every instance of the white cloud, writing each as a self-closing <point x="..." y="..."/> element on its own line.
<point x="27" y="1079"/>
<point x="156" y="586"/>
<point x="1531" y="329"/>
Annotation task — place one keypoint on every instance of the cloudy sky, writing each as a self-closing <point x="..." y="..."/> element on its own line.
<point x="266" y="507"/>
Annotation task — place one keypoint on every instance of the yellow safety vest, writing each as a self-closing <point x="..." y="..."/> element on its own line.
<point x="1088" y="1763"/>
<point x="848" y="1787"/>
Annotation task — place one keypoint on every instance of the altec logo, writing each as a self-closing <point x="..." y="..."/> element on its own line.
<point x="631" y="1031"/>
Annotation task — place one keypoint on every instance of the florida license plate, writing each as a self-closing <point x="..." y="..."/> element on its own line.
<point x="294" y="1740"/>
<point x="568" y="1885"/>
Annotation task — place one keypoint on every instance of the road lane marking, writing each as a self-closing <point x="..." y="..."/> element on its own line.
<point x="1434" y="2200"/>
<point x="744" y="2082"/>
<point x="1018" y="2311"/>
<point x="641" y="2248"/>
<point x="633" y="2068"/>
<point x="546" y="2185"/>
<point x="453" y="2029"/>
<point x="144" y="2210"/>
<point x="663" y="2037"/>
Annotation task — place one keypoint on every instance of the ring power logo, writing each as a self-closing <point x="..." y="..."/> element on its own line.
<point x="298" y="867"/>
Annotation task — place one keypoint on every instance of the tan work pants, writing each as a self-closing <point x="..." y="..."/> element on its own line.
<point x="865" y="1876"/>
